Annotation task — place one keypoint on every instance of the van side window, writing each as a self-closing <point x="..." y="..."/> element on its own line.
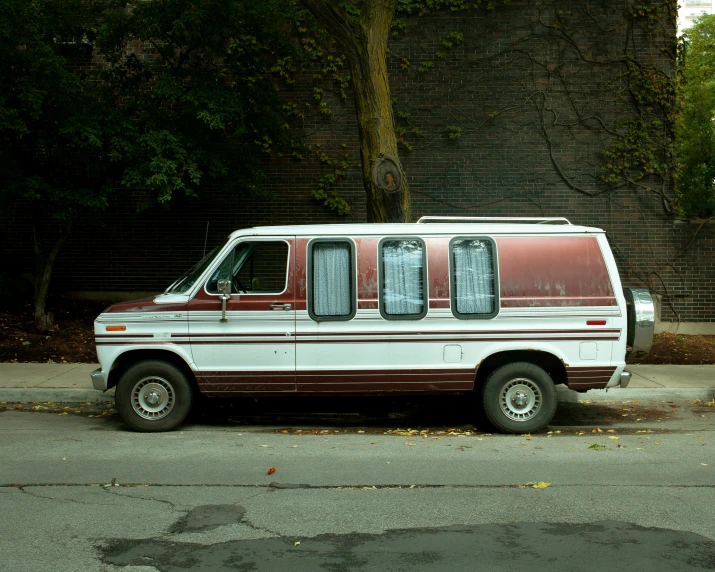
<point x="254" y="268"/>
<point x="403" y="276"/>
<point x="473" y="278"/>
<point x="332" y="293"/>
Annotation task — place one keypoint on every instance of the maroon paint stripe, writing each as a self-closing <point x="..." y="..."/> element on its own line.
<point x="557" y="302"/>
<point x="120" y="336"/>
<point x="393" y="379"/>
<point x="352" y="372"/>
<point x="281" y="340"/>
<point x="463" y="340"/>
<point x="239" y="387"/>
<point x="590" y="331"/>
<point x="147" y="343"/>
<point x="591" y="371"/>
<point x="359" y="333"/>
<point x="392" y="341"/>
<point x="386" y="388"/>
<point x="590" y="375"/>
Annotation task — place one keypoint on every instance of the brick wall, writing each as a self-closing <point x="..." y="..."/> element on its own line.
<point x="535" y="112"/>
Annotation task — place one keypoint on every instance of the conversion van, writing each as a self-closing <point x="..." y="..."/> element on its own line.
<point x="507" y="308"/>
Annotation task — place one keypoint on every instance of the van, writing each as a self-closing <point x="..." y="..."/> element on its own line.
<point x="505" y="309"/>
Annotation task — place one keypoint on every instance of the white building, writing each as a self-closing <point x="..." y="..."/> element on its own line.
<point x="690" y="10"/>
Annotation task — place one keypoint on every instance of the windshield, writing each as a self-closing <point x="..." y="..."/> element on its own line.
<point x="189" y="278"/>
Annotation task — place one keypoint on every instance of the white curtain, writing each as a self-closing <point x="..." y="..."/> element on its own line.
<point x="331" y="279"/>
<point x="474" y="277"/>
<point x="402" y="262"/>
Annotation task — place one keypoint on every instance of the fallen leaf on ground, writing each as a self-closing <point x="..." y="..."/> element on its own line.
<point x="271" y="471"/>
<point x="296" y="543"/>
<point x="614" y="437"/>
<point x="597" y="447"/>
<point x="539" y="485"/>
<point x="410" y="444"/>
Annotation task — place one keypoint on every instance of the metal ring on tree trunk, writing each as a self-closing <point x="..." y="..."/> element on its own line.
<point x="387" y="175"/>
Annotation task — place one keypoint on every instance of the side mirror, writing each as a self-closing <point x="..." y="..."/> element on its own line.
<point x="224" y="287"/>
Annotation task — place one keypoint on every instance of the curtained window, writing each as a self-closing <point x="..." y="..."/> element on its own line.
<point x="332" y="279"/>
<point x="473" y="276"/>
<point x="403" y="278"/>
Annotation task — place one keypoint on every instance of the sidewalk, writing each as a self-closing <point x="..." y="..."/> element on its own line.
<point x="70" y="383"/>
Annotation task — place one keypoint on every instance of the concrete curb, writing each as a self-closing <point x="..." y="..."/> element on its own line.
<point x="58" y="395"/>
<point x="564" y="395"/>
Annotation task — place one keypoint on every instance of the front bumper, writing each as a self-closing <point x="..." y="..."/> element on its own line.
<point x="625" y="379"/>
<point x="99" y="380"/>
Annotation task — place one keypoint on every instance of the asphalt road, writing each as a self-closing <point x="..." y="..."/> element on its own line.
<point x="623" y="487"/>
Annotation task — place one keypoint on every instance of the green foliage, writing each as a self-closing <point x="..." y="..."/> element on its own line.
<point x="203" y="101"/>
<point x="59" y="127"/>
<point x="643" y="145"/>
<point x="454" y="132"/>
<point x="424" y="67"/>
<point x="327" y="192"/>
<point x="696" y="128"/>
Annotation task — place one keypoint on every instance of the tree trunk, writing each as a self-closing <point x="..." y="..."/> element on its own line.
<point x="44" y="321"/>
<point x="364" y="40"/>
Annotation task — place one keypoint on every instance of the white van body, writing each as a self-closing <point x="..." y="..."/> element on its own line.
<point x="380" y="308"/>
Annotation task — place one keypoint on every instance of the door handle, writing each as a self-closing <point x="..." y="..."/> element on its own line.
<point x="280" y="306"/>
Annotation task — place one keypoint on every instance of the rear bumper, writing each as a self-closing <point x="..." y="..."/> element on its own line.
<point x="99" y="380"/>
<point x="625" y="379"/>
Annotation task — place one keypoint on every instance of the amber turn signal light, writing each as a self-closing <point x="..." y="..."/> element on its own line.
<point x="116" y="328"/>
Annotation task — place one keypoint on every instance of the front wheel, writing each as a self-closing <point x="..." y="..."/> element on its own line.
<point x="519" y="398"/>
<point x="153" y="396"/>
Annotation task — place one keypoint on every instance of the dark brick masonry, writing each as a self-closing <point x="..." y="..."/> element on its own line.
<point x="520" y="94"/>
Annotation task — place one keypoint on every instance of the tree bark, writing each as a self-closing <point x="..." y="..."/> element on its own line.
<point x="364" y="41"/>
<point x="44" y="264"/>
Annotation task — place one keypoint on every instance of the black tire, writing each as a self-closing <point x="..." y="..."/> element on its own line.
<point x="146" y="382"/>
<point x="519" y="398"/>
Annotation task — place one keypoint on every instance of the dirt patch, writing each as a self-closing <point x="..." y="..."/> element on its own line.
<point x="681" y="349"/>
<point x="71" y="342"/>
<point x="73" y="338"/>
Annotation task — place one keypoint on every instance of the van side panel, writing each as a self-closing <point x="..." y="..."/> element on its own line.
<point x="369" y="354"/>
<point x="564" y="280"/>
<point x="551" y="271"/>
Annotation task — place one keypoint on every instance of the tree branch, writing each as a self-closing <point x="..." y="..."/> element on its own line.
<point x="343" y="27"/>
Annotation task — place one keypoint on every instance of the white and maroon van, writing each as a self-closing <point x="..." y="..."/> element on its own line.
<point x="504" y="307"/>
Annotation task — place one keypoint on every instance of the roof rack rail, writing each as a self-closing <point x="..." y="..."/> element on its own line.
<point x="537" y="220"/>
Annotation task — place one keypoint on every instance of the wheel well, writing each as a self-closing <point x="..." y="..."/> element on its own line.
<point x="546" y="361"/>
<point x="128" y="359"/>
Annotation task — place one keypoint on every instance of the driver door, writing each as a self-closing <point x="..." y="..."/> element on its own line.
<point x="253" y="351"/>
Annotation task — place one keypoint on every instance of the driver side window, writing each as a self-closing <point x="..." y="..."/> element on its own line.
<point x="254" y="267"/>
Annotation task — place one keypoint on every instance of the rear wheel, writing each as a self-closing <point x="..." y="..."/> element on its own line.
<point x="519" y="398"/>
<point x="153" y="396"/>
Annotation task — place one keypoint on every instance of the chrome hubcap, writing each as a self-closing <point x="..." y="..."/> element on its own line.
<point x="520" y="399"/>
<point x="153" y="398"/>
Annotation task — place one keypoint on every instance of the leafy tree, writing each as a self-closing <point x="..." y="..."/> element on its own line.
<point x="184" y="96"/>
<point x="696" y="130"/>
<point x="198" y="81"/>
<point x="57" y="124"/>
<point x="362" y="32"/>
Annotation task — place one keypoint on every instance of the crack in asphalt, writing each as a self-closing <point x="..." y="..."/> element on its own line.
<point x="117" y="493"/>
<point x="288" y="486"/>
<point x="22" y="490"/>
